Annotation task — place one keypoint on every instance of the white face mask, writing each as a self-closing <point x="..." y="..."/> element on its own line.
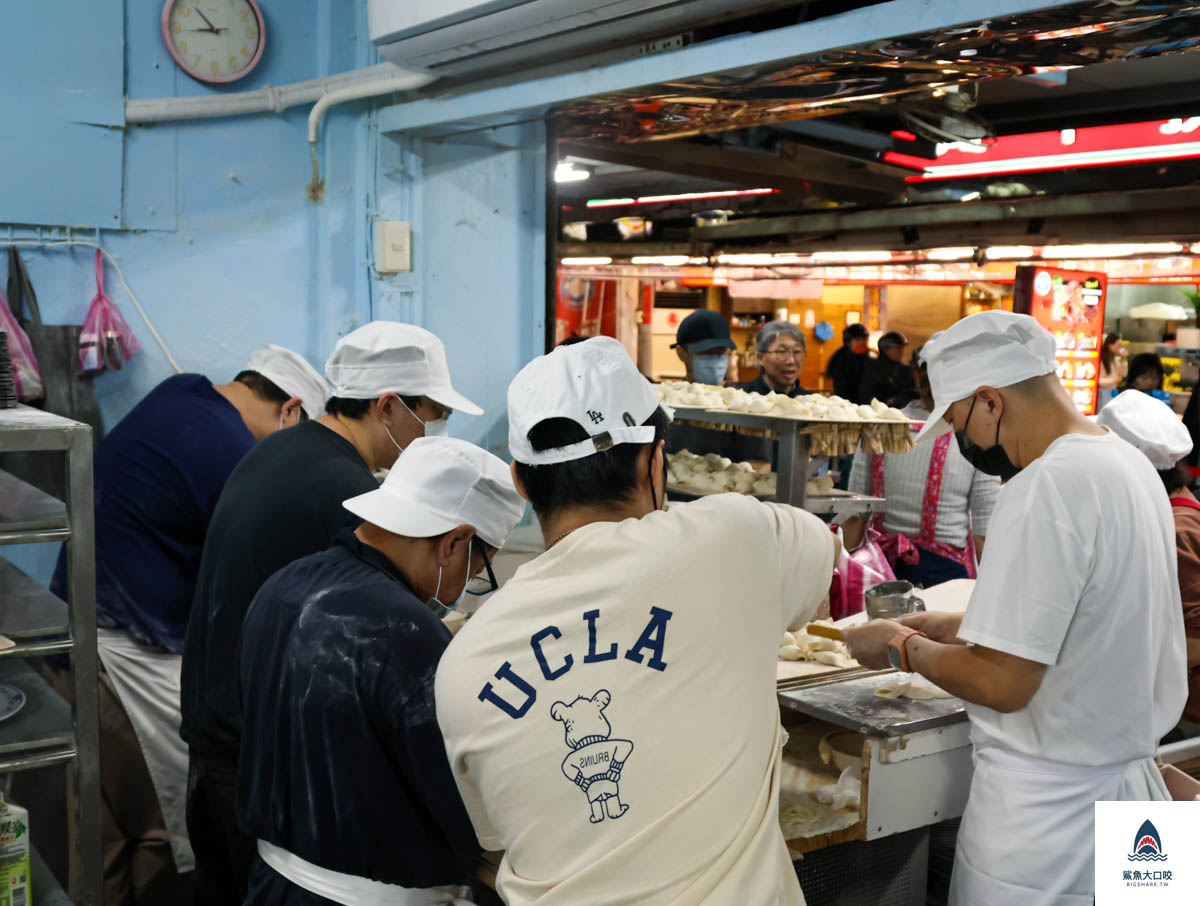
<point x="436" y="605"/>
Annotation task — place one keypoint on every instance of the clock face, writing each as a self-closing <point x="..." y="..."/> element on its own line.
<point x="214" y="40"/>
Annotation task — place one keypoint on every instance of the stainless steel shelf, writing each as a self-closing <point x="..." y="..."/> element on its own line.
<point x="26" y="512"/>
<point x="31" y="615"/>
<point x="42" y="729"/>
<point x="843" y="506"/>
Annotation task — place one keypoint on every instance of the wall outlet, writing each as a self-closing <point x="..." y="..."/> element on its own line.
<point x="393" y="246"/>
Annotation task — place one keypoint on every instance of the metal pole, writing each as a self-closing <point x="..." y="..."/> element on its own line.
<point x="81" y="578"/>
<point x="792" y="481"/>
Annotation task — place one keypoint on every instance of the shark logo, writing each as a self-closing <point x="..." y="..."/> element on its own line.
<point x="1147" y="845"/>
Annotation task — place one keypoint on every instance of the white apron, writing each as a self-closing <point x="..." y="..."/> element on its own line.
<point x="352" y="890"/>
<point x="147" y="682"/>
<point x="1027" y="834"/>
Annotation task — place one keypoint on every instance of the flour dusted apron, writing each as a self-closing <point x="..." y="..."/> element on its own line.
<point x="1027" y="836"/>
<point x="147" y="682"/>
<point x="351" y="890"/>
<point x="897" y="546"/>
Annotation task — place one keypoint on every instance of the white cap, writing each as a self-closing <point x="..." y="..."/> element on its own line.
<point x="440" y="483"/>
<point x="1150" y="425"/>
<point x="990" y="349"/>
<point x="291" y="373"/>
<point x="594" y="384"/>
<point x="390" y="357"/>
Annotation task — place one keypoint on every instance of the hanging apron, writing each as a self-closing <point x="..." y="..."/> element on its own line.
<point x="352" y="890"/>
<point x="898" y="546"/>
<point x="147" y="682"/>
<point x="1028" y="832"/>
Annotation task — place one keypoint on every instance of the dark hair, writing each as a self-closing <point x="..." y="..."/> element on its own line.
<point x="266" y="390"/>
<point x="356" y="409"/>
<point x="1175" y="478"/>
<point x="857" y="331"/>
<point x="1142" y="363"/>
<point x="1106" y="353"/>
<point x="609" y="477"/>
<point x="573" y="339"/>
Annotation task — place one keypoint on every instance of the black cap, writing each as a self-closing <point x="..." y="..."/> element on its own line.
<point x="855" y="331"/>
<point x="892" y="338"/>
<point x="703" y="330"/>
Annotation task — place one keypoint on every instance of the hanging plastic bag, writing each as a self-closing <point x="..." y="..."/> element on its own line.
<point x="106" y="342"/>
<point x="27" y="377"/>
<point x="857" y="571"/>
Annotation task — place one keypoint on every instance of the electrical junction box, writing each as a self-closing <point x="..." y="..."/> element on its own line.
<point x="393" y="246"/>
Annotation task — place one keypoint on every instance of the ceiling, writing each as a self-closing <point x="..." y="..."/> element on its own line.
<point x="817" y="129"/>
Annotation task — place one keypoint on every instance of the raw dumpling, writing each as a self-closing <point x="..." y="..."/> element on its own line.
<point x="911" y="685"/>
<point x="791" y="653"/>
<point x="832" y="658"/>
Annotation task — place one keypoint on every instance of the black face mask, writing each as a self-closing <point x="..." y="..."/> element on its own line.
<point x="990" y="461"/>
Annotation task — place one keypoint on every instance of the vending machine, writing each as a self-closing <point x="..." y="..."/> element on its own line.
<point x="1069" y="304"/>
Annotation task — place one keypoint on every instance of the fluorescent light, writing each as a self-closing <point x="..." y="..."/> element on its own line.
<point x="1111" y="250"/>
<point x="668" y="260"/>
<point x="683" y="196"/>
<point x="1107" y="157"/>
<point x="863" y="257"/>
<point x="751" y="259"/>
<point x="969" y="196"/>
<point x="950" y="254"/>
<point x="570" y="261"/>
<point x="566" y="171"/>
<point x="1009" y="251"/>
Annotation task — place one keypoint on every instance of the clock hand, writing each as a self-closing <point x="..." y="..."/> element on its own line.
<point x="207" y="21"/>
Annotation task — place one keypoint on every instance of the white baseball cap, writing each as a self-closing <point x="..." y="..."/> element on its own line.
<point x="989" y="349"/>
<point x="440" y="483"/>
<point x="291" y="373"/>
<point x="390" y="357"/>
<point x="1150" y="425"/>
<point x="594" y="384"/>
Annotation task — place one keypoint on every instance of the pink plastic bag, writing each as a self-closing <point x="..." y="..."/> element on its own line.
<point x="857" y="571"/>
<point x="105" y="342"/>
<point x="27" y="377"/>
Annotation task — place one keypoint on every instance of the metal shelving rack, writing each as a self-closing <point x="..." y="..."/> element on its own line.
<point x="47" y="731"/>
<point x="796" y="465"/>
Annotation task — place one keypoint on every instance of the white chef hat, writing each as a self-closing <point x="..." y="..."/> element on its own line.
<point x="1150" y="425"/>
<point x="291" y="373"/>
<point x="390" y="357"/>
<point x="989" y="349"/>
<point x="440" y="483"/>
<point x="594" y="384"/>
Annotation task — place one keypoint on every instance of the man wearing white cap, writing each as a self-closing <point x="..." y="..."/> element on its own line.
<point x="1070" y="655"/>
<point x="1152" y="427"/>
<point x="158" y="475"/>
<point x="343" y="779"/>
<point x="391" y="385"/>
<point x="610" y="715"/>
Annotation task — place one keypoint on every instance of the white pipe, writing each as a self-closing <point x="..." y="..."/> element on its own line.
<point x="272" y="99"/>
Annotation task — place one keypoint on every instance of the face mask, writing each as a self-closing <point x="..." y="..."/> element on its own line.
<point x="392" y="439"/>
<point x="710" y="369"/>
<point x="990" y="461"/>
<point x="436" y="428"/>
<point x="439" y="609"/>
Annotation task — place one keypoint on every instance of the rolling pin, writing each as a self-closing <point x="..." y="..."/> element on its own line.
<point x="827" y="632"/>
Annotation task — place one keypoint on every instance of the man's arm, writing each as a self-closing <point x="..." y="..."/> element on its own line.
<point x="982" y="676"/>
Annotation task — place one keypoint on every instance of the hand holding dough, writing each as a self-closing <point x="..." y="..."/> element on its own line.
<point x="911" y="685"/>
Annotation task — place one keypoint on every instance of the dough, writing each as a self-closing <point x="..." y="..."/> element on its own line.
<point x="911" y="685"/>
<point x="791" y="653"/>
<point x="832" y="658"/>
<point x="798" y="814"/>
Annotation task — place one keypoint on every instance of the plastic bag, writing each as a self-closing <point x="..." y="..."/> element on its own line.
<point x="106" y="342"/>
<point x="857" y="571"/>
<point x="27" y="377"/>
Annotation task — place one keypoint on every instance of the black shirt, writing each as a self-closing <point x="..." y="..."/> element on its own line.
<point x="282" y="502"/>
<point x="887" y="381"/>
<point x="846" y="369"/>
<point x="760" y="385"/>
<point x="342" y="761"/>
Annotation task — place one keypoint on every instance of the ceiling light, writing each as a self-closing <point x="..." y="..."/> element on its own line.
<point x="668" y="260"/>
<point x="566" y="171"/>
<point x="1010" y="251"/>
<point x="1111" y="250"/>
<point x="969" y="196"/>
<point x="584" y="261"/>
<point x="863" y="257"/>
<point x="950" y="254"/>
<point x="759" y="259"/>
<point x="683" y="196"/>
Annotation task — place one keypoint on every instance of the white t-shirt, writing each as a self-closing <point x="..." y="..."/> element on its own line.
<point x="1080" y="575"/>
<point x="610" y="714"/>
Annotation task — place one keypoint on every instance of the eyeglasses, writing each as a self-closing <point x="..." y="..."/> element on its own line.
<point x="786" y="355"/>
<point x="482" y="585"/>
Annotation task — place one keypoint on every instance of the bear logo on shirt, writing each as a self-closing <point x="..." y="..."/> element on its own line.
<point x="595" y="762"/>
